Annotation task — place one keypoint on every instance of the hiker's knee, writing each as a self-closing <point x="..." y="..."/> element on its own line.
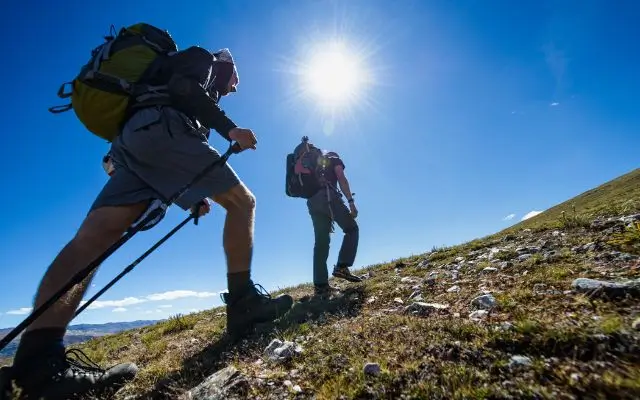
<point x="352" y="229"/>
<point x="238" y="197"/>
<point x="105" y="225"/>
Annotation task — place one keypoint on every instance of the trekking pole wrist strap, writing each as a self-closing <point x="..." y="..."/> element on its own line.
<point x="350" y="199"/>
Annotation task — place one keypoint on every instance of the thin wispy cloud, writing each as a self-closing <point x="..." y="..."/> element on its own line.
<point x="179" y="294"/>
<point x="509" y="217"/>
<point x="156" y="311"/>
<point x="20" y="311"/>
<point x="530" y="214"/>
<point x="129" y="301"/>
<point x="557" y="62"/>
<point x="555" y="103"/>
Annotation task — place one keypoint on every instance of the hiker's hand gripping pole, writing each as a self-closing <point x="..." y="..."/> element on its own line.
<point x="234" y="148"/>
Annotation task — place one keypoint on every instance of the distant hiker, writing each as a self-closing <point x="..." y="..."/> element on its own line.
<point x="162" y="144"/>
<point x="314" y="174"/>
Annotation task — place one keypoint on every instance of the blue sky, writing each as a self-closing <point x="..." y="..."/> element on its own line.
<point x="477" y="110"/>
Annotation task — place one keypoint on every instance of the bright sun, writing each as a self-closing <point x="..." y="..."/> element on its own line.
<point x="334" y="75"/>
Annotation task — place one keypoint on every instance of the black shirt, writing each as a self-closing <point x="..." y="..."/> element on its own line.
<point x="190" y="75"/>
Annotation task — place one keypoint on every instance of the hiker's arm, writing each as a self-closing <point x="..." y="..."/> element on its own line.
<point x="343" y="182"/>
<point x="191" y="72"/>
<point x="188" y="94"/>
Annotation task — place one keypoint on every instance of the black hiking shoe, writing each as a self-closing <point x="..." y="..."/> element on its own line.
<point x="5" y="383"/>
<point x="325" y="291"/>
<point x="344" y="273"/>
<point x="56" y="376"/>
<point x="253" y="307"/>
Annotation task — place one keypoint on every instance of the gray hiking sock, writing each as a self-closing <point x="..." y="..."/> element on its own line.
<point x="37" y="341"/>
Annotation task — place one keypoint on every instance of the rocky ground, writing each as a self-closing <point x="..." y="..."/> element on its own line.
<point x="537" y="314"/>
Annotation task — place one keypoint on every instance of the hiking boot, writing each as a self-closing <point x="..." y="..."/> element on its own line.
<point x="56" y="376"/>
<point x="344" y="273"/>
<point x="5" y="383"/>
<point x="253" y="307"/>
<point x="325" y="291"/>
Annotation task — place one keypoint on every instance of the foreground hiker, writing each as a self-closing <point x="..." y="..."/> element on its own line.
<point x="315" y="175"/>
<point x="162" y="145"/>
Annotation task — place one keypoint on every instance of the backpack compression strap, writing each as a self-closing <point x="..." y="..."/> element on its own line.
<point x="91" y="72"/>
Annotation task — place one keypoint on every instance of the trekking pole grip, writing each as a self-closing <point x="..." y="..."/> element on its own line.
<point x="195" y="214"/>
<point x="235" y="148"/>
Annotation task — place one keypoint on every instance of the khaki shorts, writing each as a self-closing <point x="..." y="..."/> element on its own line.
<point x="158" y="152"/>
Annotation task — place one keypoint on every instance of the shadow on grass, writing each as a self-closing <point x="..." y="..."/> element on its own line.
<point x="217" y="355"/>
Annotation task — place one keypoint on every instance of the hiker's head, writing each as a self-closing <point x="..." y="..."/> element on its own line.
<point x="226" y="74"/>
<point x="305" y="146"/>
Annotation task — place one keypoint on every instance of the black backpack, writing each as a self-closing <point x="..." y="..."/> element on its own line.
<point x="305" y="185"/>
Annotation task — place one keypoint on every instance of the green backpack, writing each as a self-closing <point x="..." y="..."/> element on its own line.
<point x="114" y="78"/>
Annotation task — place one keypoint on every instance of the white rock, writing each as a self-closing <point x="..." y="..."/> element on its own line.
<point x="484" y="302"/>
<point x="493" y="252"/>
<point x="478" y="315"/>
<point x="281" y="351"/>
<point x="524" y="257"/>
<point x="519" y="360"/>
<point x="506" y="326"/>
<point x="454" y="288"/>
<point x="423" y="309"/>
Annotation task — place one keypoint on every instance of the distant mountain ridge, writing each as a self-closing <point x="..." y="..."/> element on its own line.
<point x="81" y="333"/>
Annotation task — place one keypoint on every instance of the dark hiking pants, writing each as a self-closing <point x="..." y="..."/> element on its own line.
<point x="326" y="207"/>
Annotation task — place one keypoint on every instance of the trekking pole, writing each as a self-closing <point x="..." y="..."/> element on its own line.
<point x="234" y="148"/>
<point x="130" y="267"/>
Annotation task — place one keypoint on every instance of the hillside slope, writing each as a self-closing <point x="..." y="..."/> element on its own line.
<point x="501" y="317"/>
<point x="619" y="196"/>
<point x="77" y="334"/>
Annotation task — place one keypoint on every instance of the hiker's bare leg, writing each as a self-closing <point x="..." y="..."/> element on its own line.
<point x="245" y="305"/>
<point x="100" y="229"/>
<point x="240" y="205"/>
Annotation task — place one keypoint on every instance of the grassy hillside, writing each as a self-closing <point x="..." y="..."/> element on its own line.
<point x="532" y="336"/>
<point x="616" y="197"/>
